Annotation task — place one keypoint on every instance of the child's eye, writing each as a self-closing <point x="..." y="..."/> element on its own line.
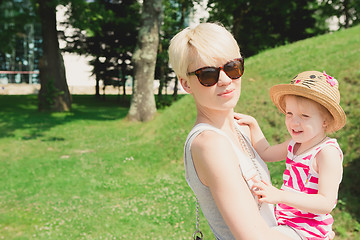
<point x="305" y="116"/>
<point x="289" y="114"/>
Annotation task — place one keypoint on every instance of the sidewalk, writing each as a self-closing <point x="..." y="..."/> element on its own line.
<point x="28" y="89"/>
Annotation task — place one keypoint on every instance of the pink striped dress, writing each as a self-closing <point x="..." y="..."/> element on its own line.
<point x="299" y="176"/>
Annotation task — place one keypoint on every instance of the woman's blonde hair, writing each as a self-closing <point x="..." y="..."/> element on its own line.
<point x="206" y="43"/>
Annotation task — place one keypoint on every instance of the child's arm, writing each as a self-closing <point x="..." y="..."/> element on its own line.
<point x="267" y="153"/>
<point x="329" y="166"/>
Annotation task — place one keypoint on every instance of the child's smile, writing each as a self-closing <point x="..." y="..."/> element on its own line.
<point x="304" y="121"/>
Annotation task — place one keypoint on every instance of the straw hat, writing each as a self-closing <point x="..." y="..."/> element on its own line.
<point x="316" y="86"/>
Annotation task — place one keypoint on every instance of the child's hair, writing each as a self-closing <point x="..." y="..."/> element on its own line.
<point x="329" y="119"/>
<point x="206" y="43"/>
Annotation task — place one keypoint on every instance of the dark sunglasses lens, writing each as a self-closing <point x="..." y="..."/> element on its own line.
<point x="208" y="76"/>
<point x="234" y="69"/>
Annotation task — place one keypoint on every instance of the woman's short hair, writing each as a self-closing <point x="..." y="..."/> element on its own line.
<point x="206" y="43"/>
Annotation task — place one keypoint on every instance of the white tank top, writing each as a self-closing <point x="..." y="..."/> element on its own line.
<point x="203" y="194"/>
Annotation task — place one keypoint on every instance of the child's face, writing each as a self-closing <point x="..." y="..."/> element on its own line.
<point x="304" y="120"/>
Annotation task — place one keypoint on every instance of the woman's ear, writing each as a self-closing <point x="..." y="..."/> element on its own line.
<point x="185" y="84"/>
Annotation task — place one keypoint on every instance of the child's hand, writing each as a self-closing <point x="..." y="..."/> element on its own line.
<point x="243" y="119"/>
<point x="266" y="192"/>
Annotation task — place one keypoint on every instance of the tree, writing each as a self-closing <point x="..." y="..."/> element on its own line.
<point x="261" y="24"/>
<point x="106" y="30"/>
<point x="54" y="92"/>
<point x="347" y="11"/>
<point x="143" y="107"/>
<point x="19" y="39"/>
<point x="175" y="13"/>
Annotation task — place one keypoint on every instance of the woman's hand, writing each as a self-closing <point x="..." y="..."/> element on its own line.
<point x="267" y="193"/>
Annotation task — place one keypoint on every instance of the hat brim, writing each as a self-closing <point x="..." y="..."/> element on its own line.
<point x="277" y="93"/>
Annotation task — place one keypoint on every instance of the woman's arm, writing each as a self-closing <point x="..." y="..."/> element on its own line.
<point x="258" y="140"/>
<point x="217" y="167"/>
<point x="329" y="167"/>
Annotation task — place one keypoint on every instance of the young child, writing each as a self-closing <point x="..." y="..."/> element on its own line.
<point x="313" y="161"/>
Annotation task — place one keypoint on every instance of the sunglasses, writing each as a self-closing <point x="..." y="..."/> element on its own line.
<point x="209" y="76"/>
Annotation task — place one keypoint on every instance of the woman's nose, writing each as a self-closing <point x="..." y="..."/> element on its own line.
<point x="223" y="78"/>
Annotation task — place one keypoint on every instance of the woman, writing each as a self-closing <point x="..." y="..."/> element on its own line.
<point x="220" y="164"/>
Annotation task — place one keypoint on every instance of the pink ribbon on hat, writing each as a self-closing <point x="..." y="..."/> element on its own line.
<point x="330" y="79"/>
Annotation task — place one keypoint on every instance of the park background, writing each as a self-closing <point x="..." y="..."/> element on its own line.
<point x="89" y="172"/>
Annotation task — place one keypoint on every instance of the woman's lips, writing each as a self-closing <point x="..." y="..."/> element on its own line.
<point x="226" y="93"/>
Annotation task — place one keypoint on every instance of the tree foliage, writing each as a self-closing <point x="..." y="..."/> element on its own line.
<point x="348" y="11"/>
<point x="106" y="30"/>
<point x="13" y="15"/>
<point x="19" y="39"/>
<point x="175" y="13"/>
<point x="261" y="24"/>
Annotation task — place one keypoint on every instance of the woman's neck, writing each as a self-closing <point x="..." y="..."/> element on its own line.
<point x="223" y="120"/>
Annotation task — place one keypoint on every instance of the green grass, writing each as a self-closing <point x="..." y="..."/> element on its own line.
<point x="91" y="174"/>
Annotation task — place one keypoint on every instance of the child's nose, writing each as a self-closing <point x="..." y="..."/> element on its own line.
<point x="295" y="120"/>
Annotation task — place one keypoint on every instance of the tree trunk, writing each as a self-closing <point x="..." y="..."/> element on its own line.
<point x="143" y="107"/>
<point x="175" y="94"/>
<point x="97" y="78"/>
<point x="161" y="71"/>
<point x="97" y="87"/>
<point x="54" y="92"/>
<point x="123" y="80"/>
<point x="346" y="13"/>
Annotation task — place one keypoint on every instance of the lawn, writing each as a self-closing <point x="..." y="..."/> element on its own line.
<point x="91" y="174"/>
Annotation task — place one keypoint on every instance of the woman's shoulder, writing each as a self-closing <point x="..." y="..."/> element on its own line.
<point x="211" y="146"/>
<point x="206" y="133"/>
<point x="245" y="129"/>
<point x="213" y="156"/>
<point x="208" y="139"/>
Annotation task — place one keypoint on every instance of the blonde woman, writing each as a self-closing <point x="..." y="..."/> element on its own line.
<point x="221" y="166"/>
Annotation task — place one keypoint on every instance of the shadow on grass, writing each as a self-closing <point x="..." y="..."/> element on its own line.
<point x="349" y="188"/>
<point x="20" y="112"/>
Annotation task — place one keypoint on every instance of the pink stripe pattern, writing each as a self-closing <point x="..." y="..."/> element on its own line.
<point x="300" y="177"/>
